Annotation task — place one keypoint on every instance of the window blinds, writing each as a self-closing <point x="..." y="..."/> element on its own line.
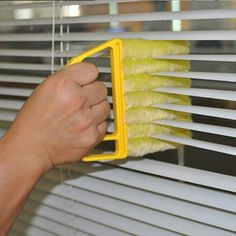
<point x="153" y="195"/>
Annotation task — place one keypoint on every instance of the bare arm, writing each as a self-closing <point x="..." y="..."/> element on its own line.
<point x="62" y="120"/>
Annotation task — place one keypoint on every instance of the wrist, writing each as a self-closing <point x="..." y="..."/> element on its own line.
<point x="25" y="155"/>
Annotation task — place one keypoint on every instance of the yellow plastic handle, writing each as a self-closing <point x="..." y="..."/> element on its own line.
<point x="120" y="133"/>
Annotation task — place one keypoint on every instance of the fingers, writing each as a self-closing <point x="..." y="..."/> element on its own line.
<point x="81" y="73"/>
<point x="101" y="111"/>
<point x="95" y="93"/>
<point x="102" y="129"/>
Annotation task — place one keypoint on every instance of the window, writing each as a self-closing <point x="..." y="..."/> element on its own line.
<point x="187" y="191"/>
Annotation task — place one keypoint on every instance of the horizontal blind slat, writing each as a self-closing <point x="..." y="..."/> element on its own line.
<point x="11" y="104"/>
<point x="203" y="57"/>
<point x="124" y="198"/>
<point x="21" y="79"/>
<point x="204" y="93"/>
<point x="176" y="224"/>
<point x="7" y="115"/>
<point x="80" y="207"/>
<point x="101" y="36"/>
<point x="149" y="183"/>
<point x="215" y="76"/>
<point x="213" y="129"/>
<point x="71" y="53"/>
<point x="26" y="66"/>
<point x="38" y="53"/>
<point x="27" y="229"/>
<point x="46" y="4"/>
<point x="39" y="67"/>
<point x="78" y="222"/>
<point x="149" y="16"/>
<point x="200" y="110"/>
<point x="198" y="143"/>
<point x="187" y="174"/>
<point x="51" y="226"/>
<point x="15" y="91"/>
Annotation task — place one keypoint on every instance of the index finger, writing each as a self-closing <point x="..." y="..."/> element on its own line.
<point x="82" y="73"/>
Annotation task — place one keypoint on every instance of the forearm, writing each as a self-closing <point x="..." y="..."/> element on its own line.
<point x="18" y="174"/>
<point x="63" y="119"/>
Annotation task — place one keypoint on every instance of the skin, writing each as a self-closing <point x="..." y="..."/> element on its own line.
<point x="60" y="122"/>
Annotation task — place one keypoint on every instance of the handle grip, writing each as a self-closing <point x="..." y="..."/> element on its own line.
<point x="120" y="133"/>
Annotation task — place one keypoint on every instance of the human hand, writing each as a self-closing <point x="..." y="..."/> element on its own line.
<point x="63" y="118"/>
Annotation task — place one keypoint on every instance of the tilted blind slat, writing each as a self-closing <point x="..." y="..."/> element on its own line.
<point x="204" y="93"/>
<point x="21" y="79"/>
<point x="117" y="221"/>
<point x="37" y="53"/>
<point x="75" y="222"/>
<point x="179" y="225"/>
<point x="198" y="143"/>
<point x="198" y="57"/>
<point x="46" y="4"/>
<point x="10" y="104"/>
<point x="191" y="175"/>
<point x="15" y="91"/>
<point x="215" y="76"/>
<point x="48" y="53"/>
<point x="149" y="16"/>
<point x="134" y="196"/>
<point x="213" y="129"/>
<point x="149" y="183"/>
<point x="200" y="110"/>
<point x="157" y="35"/>
<point x="26" y="229"/>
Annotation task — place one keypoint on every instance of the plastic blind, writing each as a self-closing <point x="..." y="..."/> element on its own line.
<point x="145" y="196"/>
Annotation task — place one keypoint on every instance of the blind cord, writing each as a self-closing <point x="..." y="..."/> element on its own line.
<point x="53" y="36"/>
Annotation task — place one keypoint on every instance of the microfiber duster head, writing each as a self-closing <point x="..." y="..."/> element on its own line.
<point x="149" y="65"/>
<point x="142" y="82"/>
<point x="142" y="48"/>
<point x="139" y="64"/>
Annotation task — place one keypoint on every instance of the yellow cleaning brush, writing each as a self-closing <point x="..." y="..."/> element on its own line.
<point x="133" y="63"/>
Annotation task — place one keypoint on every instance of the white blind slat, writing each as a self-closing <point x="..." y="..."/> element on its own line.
<point x="71" y="53"/>
<point x="98" y="36"/>
<point x="199" y="144"/>
<point x="191" y="175"/>
<point x="38" y="53"/>
<point x="215" y="76"/>
<point x="15" y="91"/>
<point x="26" y="229"/>
<point x="45" y="4"/>
<point x="213" y="129"/>
<point x="147" y="16"/>
<point x="166" y="204"/>
<point x="127" y="224"/>
<point x="75" y="222"/>
<point x="50" y="226"/>
<point x="149" y="183"/>
<point x="39" y="67"/>
<point x="200" y="110"/>
<point x="204" y="93"/>
<point x="11" y="104"/>
<point x="6" y="115"/>
<point x="156" y="218"/>
<point x="198" y="57"/>
<point x="21" y="79"/>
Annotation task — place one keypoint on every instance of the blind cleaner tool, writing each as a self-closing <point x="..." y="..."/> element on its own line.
<point x="135" y="64"/>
